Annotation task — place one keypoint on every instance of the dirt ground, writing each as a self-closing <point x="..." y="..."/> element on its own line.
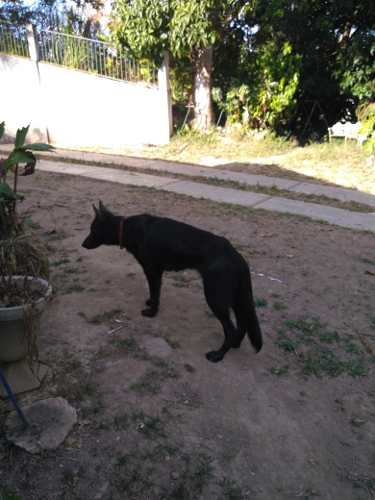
<point x="156" y="419"/>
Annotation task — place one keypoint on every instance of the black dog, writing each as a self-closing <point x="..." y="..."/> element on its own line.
<point x="160" y="244"/>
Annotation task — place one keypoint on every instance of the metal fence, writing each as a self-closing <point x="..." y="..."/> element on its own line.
<point x="93" y="56"/>
<point x="76" y="52"/>
<point x="13" y="40"/>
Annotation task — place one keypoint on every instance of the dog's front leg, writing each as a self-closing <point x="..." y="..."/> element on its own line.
<point x="154" y="283"/>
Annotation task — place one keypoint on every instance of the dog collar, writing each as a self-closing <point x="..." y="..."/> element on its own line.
<point x="121" y="233"/>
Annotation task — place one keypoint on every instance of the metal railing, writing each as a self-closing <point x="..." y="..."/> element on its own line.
<point x="13" y="40"/>
<point x="92" y="56"/>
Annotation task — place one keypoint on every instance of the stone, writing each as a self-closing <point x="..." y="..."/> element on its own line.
<point x="23" y="377"/>
<point x="156" y="346"/>
<point x="50" y="421"/>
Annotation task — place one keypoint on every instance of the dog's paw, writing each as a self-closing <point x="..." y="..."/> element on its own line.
<point x="214" y="356"/>
<point x="149" y="312"/>
<point x="148" y="302"/>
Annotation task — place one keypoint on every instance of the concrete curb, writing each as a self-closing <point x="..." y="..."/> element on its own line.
<point x="336" y="216"/>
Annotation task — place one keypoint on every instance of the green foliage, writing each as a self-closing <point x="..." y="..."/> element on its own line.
<point x="181" y="80"/>
<point x="21" y="154"/>
<point x="192" y="25"/>
<point x="294" y="67"/>
<point x="271" y="96"/>
<point x="149" y="27"/>
<point x="142" y="27"/>
<point x="182" y="28"/>
<point x="357" y="67"/>
<point x="366" y="114"/>
<point x="6" y="494"/>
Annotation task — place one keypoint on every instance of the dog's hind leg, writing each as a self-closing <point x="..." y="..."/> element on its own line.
<point x="229" y="340"/>
<point x="218" y="299"/>
<point x="154" y="283"/>
<point x="241" y="325"/>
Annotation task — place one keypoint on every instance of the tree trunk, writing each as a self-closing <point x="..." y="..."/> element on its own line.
<point x="203" y="113"/>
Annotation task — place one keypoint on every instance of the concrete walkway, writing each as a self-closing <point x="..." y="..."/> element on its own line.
<point x="337" y="216"/>
<point x="190" y="170"/>
<point x="89" y="166"/>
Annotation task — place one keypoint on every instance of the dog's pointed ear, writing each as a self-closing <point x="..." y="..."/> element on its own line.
<point x="103" y="210"/>
<point x="96" y="211"/>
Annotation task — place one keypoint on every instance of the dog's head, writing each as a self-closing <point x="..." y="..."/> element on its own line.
<point x="100" y="230"/>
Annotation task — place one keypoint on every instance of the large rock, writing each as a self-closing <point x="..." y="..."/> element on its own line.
<point x="156" y="346"/>
<point x="50" y="421"/>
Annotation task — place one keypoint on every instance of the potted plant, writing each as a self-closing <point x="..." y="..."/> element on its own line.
<point x="24" y="289"/>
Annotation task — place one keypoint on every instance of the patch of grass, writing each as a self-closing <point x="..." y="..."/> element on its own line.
<point x="6" y="494"/>
<point x="58" y="263"/>
<point x="74" y="382"/>
<point x="363" y="482"/>
<point x="121" y="422"/>
<point x="148" y="425"/>
<point x="72" y="270"/>
<point x="322" y="361"/>
<point x="195" y="474"/>
<point x="307" y="330"/>
<point x="320" y="351"/>
<point x="279" y="371"/>
<point x="152" y="380"/>
<point x="351" y="346"/>
<point x="287" y="344"/>
<point x="79" y="391"/>
<point x="138" y="473"/>
<point x="279" y="306"/>
<point x="74" y="288"/>
<point x="28" y="221"/>
<point x="160" y="466"/>
<point x="259" y="302"/>
<point x="231" y="491"/>
<point x="131" y="347"/>
<point x="133" y="476"/>
<point x="165" y="450"/>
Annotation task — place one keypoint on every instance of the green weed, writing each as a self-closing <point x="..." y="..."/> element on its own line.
<point x="6" y="494"/>
<point x="259" y="302"/>
<point x="320" y="351"/>
<point x="279" y="371"/>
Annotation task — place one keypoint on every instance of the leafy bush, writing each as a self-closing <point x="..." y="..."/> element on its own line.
<point x="271" y="97"/>
<point x="366" y="115"/>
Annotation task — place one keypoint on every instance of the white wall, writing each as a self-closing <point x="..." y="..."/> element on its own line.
<point x="78" y="109"/>
<point x="20" y="99"/>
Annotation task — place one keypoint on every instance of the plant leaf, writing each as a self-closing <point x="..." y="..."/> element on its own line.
<point x="2" y="129"/>
<point x="21" y="136"/>
<point x="18" y="156"/>
<point x="6" y="193"/>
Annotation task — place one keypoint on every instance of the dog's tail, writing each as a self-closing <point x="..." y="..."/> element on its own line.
<point x="253" y="329"/>
<point x="247" y="308"/>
